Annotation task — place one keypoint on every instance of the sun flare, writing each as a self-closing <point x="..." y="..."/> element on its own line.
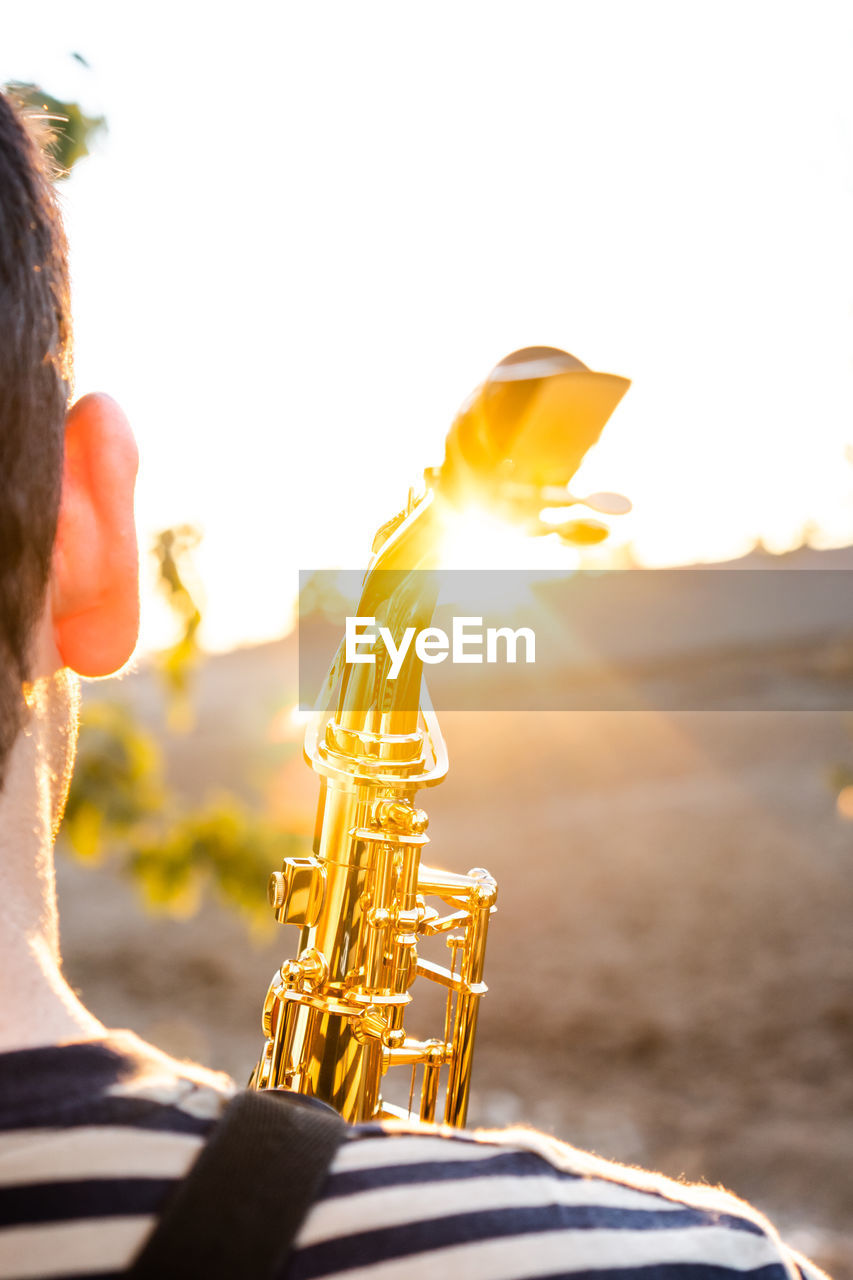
<point x="477" y="539"/>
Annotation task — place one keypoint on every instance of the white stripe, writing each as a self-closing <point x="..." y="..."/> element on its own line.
<point x="200" y="1102"/>
<point x="431" y="1146"/>
<point x="382" y="1153"/>
<point x="570" y="1159"/>
<point x="542" y="1254"/>
<point x="152" y="1064"/>
<point x="435" y="1143"/>
<point x="395" y="1206"/>
<point x="94" y="1151"/>
<point x="808" y="1268"/>
<point x="71" y="1248"/>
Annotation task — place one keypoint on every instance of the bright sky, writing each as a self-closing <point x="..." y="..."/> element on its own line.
<point x="313" y="228"/>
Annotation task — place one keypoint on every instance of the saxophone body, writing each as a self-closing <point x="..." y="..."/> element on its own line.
<point x="334" y="1018"/>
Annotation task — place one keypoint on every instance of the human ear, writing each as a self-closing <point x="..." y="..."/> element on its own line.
<point x="95" y="572"/>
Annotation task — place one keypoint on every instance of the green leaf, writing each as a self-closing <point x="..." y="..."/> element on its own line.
<point x="71" y="131"/>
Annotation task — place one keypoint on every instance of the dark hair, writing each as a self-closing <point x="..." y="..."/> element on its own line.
<point x="35" y="375"/>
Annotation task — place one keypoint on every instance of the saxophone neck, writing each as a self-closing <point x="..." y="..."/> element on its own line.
<point x="381" y="693"/>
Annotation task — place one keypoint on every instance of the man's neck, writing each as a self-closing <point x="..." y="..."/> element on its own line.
<point x="37" y="1007"/>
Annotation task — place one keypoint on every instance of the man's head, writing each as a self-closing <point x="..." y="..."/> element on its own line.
<point x="35" y="360"/>
<point x="67" y="544"/>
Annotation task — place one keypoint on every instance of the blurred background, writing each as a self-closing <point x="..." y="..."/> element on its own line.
<point x="299" y="238"/>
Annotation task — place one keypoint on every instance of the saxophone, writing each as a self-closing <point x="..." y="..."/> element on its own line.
<point x="334" y="1017"/>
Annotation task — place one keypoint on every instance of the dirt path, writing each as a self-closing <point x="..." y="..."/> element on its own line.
<point x="672" y="962"/>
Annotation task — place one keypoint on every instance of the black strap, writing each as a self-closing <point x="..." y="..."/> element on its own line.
<point x="237" y="1211"/>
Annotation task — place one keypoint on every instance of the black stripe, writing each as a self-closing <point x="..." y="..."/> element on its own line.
<point x="674" y="1271"/>
<point x="137" y="1113"/>
<point x="88" y="1275"/>
<point x="522" y="1164"/>
<point x="68" y="1077"/>
<point x="384" y="1243"/>
<point x="41" y="1202"/>
<point x="374" y="1129"/>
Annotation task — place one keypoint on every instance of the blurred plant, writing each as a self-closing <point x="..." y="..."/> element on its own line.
<point x="118" y="781"/>
<point x="224" y="846"/>
<point x="841" y="783"/>
<point x="173" y="550"/>
<point x="70" y="131"/>
<point x="119" y="807"/>
<point x="320" y="596"/>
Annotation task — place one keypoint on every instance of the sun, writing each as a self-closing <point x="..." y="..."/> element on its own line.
<point x="477" y="539"/>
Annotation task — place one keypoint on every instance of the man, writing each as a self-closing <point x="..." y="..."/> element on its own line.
<point x="96" y="1128"/>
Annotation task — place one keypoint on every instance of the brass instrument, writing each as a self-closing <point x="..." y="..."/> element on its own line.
<point x="334" y="1016"/>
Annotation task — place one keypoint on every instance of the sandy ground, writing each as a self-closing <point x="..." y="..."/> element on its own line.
<point x="671" y="967"/>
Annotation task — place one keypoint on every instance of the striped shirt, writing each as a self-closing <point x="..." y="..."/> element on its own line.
<point x="95" y="1136"/>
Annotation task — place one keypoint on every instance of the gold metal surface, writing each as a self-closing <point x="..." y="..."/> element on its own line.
<point x="334" y="1017"/>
